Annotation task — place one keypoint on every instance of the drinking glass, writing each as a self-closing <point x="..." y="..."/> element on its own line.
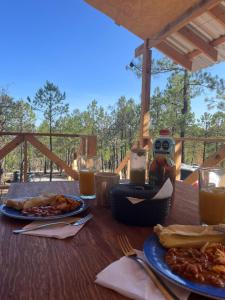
<point x="87" y="167"/>
<point x="212" y="195"/>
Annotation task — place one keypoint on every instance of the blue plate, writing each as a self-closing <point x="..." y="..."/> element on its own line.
<point x="155" y="254"/>
<point x="16" y="214"/>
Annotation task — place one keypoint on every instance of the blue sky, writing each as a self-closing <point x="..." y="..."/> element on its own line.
<point x="73" y="45"/>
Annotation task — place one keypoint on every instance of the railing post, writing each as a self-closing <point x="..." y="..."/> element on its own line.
<point x="178" y="154"/>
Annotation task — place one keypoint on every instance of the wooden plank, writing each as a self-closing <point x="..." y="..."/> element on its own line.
<point x="44" y="150"/>
<point x="218" y="12"/>
<point x="92" y="146"/>
<point x="10" y="146"/>
<point x="193" y="12"/>
<point x="214" y="43"/>
<point x="175" y="55"/>
<point x="218" y="41"/>
<point x="42" y="134"/>
<point x="177" y="158"/>
<point x="123" y="163"/>
<point x="145" y="93"/>
<point x="211" y="161"/>
<point x="197" y="41"/>
<point x="25" y="161"/>
<point x="202" y="139"/>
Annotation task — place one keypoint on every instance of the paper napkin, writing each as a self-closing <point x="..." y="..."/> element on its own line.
<point x="127" y="277"/>
<point x="59" y="231"/>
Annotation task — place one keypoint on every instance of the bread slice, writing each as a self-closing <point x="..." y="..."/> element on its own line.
<point x="185" y="236"/>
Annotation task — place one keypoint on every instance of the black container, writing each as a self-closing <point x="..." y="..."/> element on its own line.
<point x="146" y="213"/>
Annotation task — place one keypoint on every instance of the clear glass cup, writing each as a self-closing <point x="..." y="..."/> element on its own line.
<point x="212" y="195"/>
<point x="137" y="166"/>
<point x="87" y="167"/>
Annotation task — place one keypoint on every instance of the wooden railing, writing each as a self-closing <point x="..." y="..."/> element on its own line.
<point x="213" y="160"/>
<point x="86" y="141"/>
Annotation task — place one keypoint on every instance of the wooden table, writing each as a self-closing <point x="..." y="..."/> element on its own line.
<point x="36" y="268"/>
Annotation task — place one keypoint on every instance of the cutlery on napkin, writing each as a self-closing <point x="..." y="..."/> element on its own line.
<point x="58" y="231"/>
<point x="126" y="277"/>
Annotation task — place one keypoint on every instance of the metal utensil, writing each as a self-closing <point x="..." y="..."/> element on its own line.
<point x="77" y="223"/>
<point x="130" y="252"/>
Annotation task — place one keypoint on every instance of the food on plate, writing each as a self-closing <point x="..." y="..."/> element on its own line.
<point x="205" y="265"/>
<point x="184" y="236"/>
<point x="16" y="203"/>
<point x="27" y="202"/>
<point x="44" y="205"/>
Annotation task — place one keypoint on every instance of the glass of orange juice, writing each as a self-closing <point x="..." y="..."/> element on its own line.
<point x="212" y="195"/>
<point x="87" y="167"/>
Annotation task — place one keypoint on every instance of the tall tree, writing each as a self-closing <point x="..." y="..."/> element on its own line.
<point x="182" y="86"/>
<point x="50" y="101"/>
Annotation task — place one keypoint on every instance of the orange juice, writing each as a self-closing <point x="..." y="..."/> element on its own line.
<point x="212" y="205"/>
<point x="87" y="184"/>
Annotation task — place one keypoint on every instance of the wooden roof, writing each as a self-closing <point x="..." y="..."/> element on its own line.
<point x="191" y="32"/>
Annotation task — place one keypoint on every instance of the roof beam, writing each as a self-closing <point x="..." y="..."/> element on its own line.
<point x="220" y="40"/>
<point x="193" y="12"/>
<point x="197" y="41"/>
<point x="218" y="12"/>
<point x="175" y="55"/>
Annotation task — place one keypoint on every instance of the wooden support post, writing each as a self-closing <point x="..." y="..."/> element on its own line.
<point x="25" y="160"/>
<point x="145" y="94"/>
<point x="92" y="145"/>
<point x="178" y="152"/>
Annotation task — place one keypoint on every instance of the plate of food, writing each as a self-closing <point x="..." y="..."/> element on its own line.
<point x="192" y="257"/>
<point x="43" y="207"/>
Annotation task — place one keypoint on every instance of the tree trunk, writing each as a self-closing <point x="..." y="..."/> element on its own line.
<point x="184" y="113"/>
<point x="204" y="151"/>
<point x="50" y="141"/>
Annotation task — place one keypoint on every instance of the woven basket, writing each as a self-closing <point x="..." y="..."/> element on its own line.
<point x="146" y="213"/>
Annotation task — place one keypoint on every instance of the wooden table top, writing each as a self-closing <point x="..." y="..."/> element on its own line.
<point x="34" y="268"/>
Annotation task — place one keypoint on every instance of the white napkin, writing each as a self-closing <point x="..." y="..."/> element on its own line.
<point x="127" y="277"/>
<point x="166" y="190"/>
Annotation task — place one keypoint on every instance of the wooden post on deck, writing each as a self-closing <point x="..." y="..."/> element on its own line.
<point x="178" y="154"/>
<point x="145" y="95"/>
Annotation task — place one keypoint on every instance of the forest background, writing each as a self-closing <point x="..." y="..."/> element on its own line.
<point x="116" y="127"/>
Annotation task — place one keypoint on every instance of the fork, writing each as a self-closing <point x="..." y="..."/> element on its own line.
<point x="130" y="252"/>
<point x="77" y="223"/>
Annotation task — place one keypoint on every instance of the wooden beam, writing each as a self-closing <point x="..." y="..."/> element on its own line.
<point x="92" y="146"/>
<point x="212" y="161"/>
<point x="44" y="150"/>
<point x="11" y="146"/>
<point x="218" y="12"/>
<point x="193" y="12"/>
<point x="197" y="41"/>
<point x="123" y="163"/>
<point x="175" y="55"/>
<point x="220" y="40"/>
<point x="42" y="134"/>
<point x="202" y="139"/>
<point x="145" y="93"/>
<point x="177" y="158"/>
